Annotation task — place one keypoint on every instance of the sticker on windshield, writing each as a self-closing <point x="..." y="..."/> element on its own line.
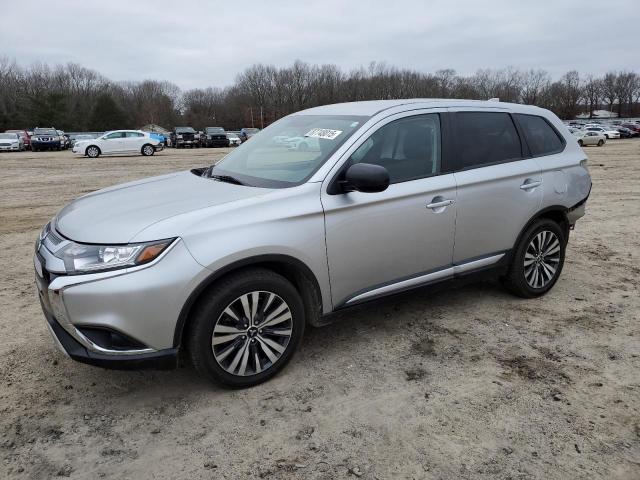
<point x="325" y="133"/>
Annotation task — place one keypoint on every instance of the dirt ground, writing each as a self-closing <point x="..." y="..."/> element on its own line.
<point x="468" y="383"/>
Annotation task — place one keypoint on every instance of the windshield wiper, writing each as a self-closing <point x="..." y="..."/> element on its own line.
<point x="227" y="178"/>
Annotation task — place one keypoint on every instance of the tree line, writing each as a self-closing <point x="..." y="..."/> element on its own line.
<point x="74" y="98"/>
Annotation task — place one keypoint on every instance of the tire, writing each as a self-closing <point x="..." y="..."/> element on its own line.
<point x="147" y="150"/>
<point x="581" y="143"/>
<point x="92" y="152"/>
<point x="600" y="143"/>
<point x="529" y="274"/>
<point x="226" y="362"/>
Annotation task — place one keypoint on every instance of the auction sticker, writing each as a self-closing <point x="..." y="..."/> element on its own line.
<point x="325" y="133"/>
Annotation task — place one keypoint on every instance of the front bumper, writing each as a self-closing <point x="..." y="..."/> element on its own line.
<point x="134" y="310"/>
<point x="161" y="359"/>
<point x="52" y="144"/>
<point x="9" y="148"/>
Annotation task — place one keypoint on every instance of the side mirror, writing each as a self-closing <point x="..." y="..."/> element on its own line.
<point x="366" y="178"/>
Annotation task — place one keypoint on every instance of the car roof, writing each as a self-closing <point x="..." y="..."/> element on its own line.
<point x="370" y="108"/>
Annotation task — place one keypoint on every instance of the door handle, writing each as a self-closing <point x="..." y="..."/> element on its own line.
<point x="528" y="185"/>
<point x="439" y="204"/>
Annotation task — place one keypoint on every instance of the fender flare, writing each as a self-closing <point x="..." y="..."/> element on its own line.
<point x="285" y="260"/>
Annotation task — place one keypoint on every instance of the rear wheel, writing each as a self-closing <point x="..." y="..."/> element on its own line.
<point x="246" y="329"/>
<point x="600" y="143"/>
<point x="537" y="260"/>
<point x="148" y="150"/>
<point x="581" y="143"/>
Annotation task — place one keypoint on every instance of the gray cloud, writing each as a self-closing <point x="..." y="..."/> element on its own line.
<point x="200" y="43"/>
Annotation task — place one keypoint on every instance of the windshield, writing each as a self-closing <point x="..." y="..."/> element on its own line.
<point x="577" y="133"/>
<point x="185" y="130"/>
<point x="12" y="136"/>
<point x="45" y="131"/>
<point x="270" y="161"/>
<point x="232" y="135"/>
<point x="214" y="130"/>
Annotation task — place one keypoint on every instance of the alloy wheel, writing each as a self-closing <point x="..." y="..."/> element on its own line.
<point x="147" y="150"/>
<point x="541" y="259"/>
<point x="252" y="333"/>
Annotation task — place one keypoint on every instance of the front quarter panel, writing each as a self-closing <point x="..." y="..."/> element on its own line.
<point x="287" y="221"/>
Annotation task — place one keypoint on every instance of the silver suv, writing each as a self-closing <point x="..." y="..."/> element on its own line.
<point x="231" y="262"/>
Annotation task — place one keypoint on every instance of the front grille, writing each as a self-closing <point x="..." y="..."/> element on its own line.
<point x="5" y="144"/>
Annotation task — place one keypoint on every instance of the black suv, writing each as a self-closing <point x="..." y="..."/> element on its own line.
<point x="45" y="139"/>
<point x="184" y="137"/>
<point x="216" y="137"/>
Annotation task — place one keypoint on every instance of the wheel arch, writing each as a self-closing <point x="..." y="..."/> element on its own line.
<point x="293" y="269"/>
<point x="557" y="213"/>
<point x="92" y="145"/>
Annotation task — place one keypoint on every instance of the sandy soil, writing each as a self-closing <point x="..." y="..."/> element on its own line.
<point x="468" y="383"/>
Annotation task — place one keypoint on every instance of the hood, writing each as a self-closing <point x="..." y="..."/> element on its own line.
<point x="117" y="214"/>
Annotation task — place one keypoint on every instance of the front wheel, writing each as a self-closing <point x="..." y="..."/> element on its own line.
<point x="600" y="143"/>
<point x="537" y="260"/>
<point x="148" y="150"/>
<point x="581" y="143"/>
<point x="93" y="152"/>
<point x="246" y="329"/>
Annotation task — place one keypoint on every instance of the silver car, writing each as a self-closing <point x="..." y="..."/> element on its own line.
<point x="232" y="262"/>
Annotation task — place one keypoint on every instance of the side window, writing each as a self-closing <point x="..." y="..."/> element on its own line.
<point x="485" y="138"/>
<point x="114" y="135"/>
<point x="541" y="137"/>
<point x="409" y="148"/>
<point x="134" y="134"/>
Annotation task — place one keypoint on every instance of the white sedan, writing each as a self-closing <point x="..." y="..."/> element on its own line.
<point x="11" y="141"/>
<point x="606" y="131"/>
<point x="585" y="138"/>
<point x="119" y="142"/>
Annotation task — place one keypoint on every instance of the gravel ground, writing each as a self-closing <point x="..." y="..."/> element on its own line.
<point x="463" y="384"/>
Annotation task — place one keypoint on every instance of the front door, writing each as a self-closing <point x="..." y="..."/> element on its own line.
<point x="113" y="142"/>
<point x="379" y="243"/>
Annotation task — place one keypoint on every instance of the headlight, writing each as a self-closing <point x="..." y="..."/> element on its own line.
<point x="81" y="258"/>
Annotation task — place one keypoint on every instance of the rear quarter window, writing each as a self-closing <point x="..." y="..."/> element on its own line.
<point x="541" y="137"/>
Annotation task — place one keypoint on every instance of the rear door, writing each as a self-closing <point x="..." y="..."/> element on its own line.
<point x="499" y="185"/>
<point x="378" y="243"/>
<point x="133" y="141"/>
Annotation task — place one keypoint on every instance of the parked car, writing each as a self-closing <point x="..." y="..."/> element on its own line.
<point x="11" y="142"/>
<point x="232" y="262"/>
<point x="216" y="137"/>
<point x="609" y="133"/>
<point x="184" y="137"/>
<point x="234" y="139"/>
<point x="119" y="142"/>
<point x="64" y="140"/>
<point x="26" y="138"/>
<point x="632" y="126"/>
<point x="590" y="137"/>
<point x="626" y="132"/>
<point x="45" y="139"/>
<point x="247" y="133"/>
<point x="160" y="137"/>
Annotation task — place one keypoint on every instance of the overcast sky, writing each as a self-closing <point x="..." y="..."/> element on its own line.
<point x="200" y="44"/>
